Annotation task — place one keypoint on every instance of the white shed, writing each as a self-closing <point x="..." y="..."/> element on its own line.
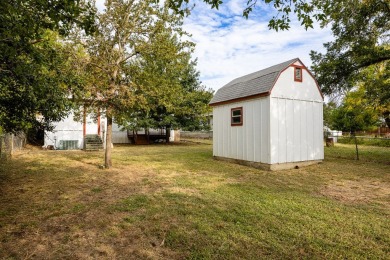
<point x="270" y="119"/>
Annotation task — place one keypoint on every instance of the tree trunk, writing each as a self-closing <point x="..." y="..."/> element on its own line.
<point x="386" y="115"/>
<point x="167" y="133"/>
<point x="107" y="155"/>
<point x="329" y="142"/>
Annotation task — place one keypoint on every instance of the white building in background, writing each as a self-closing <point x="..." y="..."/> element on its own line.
<point x="271" y="119"/>
<point x="70" y="134"/>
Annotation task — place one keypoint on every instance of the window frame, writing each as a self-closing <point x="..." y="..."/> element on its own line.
<point x="295" y="73"/>
<point x="241" y="116"/>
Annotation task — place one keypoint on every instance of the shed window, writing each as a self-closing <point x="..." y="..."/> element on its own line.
<point x="298" y="74"/>
<point x="236" y="118"/>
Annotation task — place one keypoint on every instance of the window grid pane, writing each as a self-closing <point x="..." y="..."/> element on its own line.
<point x="236" y="116"/>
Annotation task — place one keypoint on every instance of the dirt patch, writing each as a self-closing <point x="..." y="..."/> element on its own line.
<point x="361" y="191"/>
<point x="186" y="191"/>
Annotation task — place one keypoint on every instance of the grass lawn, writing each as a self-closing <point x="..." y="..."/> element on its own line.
<point x="366" y="153"/>
<point x="176" y="202"/>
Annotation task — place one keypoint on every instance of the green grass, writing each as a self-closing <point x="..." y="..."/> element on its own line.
<point x="381" y="142"/>
<point x="366" y="153"/>
<point x="176" y="202"/>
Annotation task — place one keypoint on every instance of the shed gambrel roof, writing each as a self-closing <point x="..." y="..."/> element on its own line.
<point x="256" y="83"/>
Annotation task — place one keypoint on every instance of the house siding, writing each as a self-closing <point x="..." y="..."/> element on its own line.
<point x="69" y="129"/>
<point x="118" y="136"/>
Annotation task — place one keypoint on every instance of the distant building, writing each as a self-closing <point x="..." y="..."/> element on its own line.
<point x="70" y="134"/>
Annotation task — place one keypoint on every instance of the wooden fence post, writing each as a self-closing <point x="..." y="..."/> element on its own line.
<point x="356" y="146"/>
<point x="9" y="143"/>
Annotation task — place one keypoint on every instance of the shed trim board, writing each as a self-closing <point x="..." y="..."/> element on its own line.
<point x="239" y="99"/>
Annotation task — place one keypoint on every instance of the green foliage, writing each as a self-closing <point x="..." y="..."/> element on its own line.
<point x="172" y="91"/>
<point x="354" y="114"/>
<point x="305" y="11"/>
<point x="143" y="73"/>
<point x="33" y="62"/>
<point x="376" y="81"/>
<point x="361" y="40"/>
<point x="139" y="67"/>
<point x="328" y="109"/>
<point x="34" y="89"/>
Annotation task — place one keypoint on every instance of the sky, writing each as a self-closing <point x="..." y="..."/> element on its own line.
<point x="229" y="46"/>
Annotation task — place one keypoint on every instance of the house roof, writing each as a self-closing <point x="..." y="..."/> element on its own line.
<point x="256" y="83"/>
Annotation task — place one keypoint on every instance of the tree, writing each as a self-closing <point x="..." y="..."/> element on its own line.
<point x="34" y="89"/>
<point x="123" y="35"/>
<point x="172" y="89"/>
<point x="360" y="29"/>
<point x="193" y="109"/>
<point x="33" y="60"/>
<point x="186" y="107"/>
<point x="328" y="111"/>
<point x="376" y="81"/>
<point x="355" y="113"/>
<point x="361" y="40"/>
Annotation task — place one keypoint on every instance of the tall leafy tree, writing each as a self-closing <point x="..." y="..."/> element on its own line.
<point x="355" y="113"/>
<point x="376" y="82"/>
<point x="360" y="28"/>
<point x="192" y="111"/>
<point x="359" y="56"/>
<point x="171" y="86"/>
<point x="361" y="32"/>
<point x="33" y="61"/>
<point x="35" y="91"/>
<point x="118" y="52"/>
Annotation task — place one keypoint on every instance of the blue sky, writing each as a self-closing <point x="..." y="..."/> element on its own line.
<point x="229" y="46"/>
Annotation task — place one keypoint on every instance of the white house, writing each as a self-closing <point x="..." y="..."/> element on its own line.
<point x="270" y="119"/>
<point x="70" y="133"/>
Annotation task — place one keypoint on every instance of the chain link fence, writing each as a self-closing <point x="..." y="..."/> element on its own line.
<point x="9" y="143"/>
<point x="359" y="148"/>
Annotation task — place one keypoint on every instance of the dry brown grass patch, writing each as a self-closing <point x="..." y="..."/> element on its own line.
<point x="361" y="191"/>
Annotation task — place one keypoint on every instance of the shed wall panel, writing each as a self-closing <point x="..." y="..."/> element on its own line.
<point x="249" y="150"/>
<point x="295" y="130"/>
<point x="282" y="130"/>
<point x="297" y="145"/>
<point x="290" y="130"/>
<point x="262" y="139"/>
<point x="247" y="142"/>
